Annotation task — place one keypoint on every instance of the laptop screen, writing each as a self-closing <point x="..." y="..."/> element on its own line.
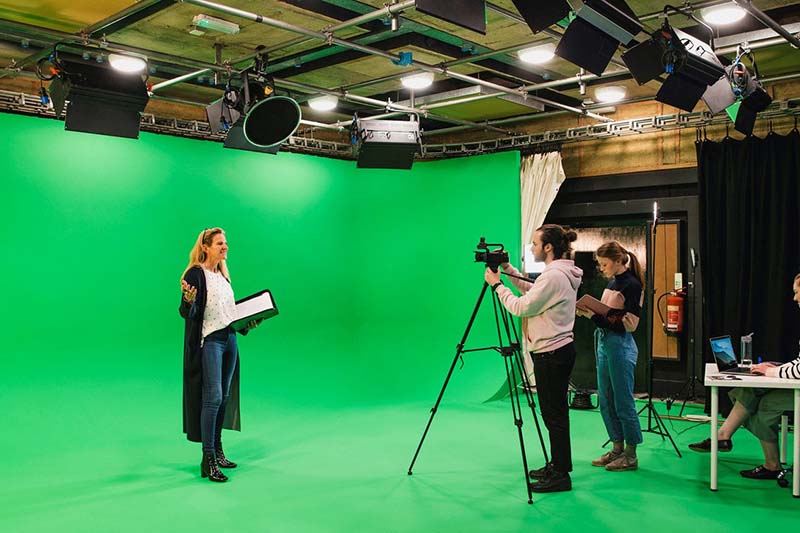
<point x="723" y="352"/>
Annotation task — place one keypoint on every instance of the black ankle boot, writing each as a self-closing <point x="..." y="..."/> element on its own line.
<point x="210" y="469"/>
<point x="555" y="481"/>
<point x="222" y="461"/>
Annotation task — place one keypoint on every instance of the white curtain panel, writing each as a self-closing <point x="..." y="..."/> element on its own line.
<point x="541" y="175"/>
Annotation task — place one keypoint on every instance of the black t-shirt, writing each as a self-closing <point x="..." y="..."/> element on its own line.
<point x="623" y="292"/>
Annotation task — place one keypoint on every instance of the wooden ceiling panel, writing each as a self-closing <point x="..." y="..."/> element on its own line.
<point x="62" y="15"/>
<point x="366" y="68"/>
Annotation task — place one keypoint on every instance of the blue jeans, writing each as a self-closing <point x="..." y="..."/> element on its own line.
<point x="219" y="362"/>
<point x="616" y="361"/>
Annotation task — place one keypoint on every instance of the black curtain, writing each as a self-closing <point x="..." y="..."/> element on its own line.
<point x="749" y="195"/>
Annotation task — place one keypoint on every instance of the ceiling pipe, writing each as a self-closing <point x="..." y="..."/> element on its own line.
<point x="538" y="86"/>
<point x="686" y="6"/>
<point x="453" y="62"/>
<point x="391" y="9"/>
<point x="767" y="21"/>
<point x="381" y="103"/>
<point x="304" y="122"/>
<point x="536" y="116"/>
<point x="54" y="36"/>
<point x="331" y="40"/>
<point x="554" y="34"/>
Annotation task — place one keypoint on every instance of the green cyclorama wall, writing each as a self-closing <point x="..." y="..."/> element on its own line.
<point x="372" y="270"/>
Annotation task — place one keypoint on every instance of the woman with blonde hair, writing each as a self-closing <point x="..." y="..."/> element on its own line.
<point x="210" y="352"/>
<point x="617" y="354"/>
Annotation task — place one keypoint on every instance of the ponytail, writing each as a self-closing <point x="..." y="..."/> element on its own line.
<point x="635" y="267"/>
<point x="614" y="251"/>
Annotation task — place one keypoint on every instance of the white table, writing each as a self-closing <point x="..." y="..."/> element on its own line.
<point x="715" y="380"/>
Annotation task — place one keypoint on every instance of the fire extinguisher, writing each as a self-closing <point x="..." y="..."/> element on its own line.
<point x="673" y="325"/>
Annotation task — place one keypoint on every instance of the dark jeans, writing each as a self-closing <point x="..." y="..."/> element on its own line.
<point x="552" y="371"/>
<point x="219" y="361"/>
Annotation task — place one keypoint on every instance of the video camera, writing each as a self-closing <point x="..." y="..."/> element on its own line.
<point x="492" y="258"/>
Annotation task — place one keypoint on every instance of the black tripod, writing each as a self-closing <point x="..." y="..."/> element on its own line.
<point x="688" y="387"/>
<point x="652" y="414"/>
<point x="516" y="378"/>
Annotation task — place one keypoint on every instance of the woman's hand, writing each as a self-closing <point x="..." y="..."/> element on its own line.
<point x="584" y="314"/>
<point x="491" y="277"/>
<point x="189" y="292"/>
<point x="761" y="368"/>
<point x="630" y="321"/>
<point x="253" y="323"/>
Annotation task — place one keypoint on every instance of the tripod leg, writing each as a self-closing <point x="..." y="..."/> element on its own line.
<point x="516" y="410"/>
<point x="691" y="395"/>
<point x="526" y="386"/>
<point x="520" y="368"/>
<point x="663" y="431"/>
<point x="649" y="408"/>
<point x="459" y="351"/>
<point x="661" y="428"/>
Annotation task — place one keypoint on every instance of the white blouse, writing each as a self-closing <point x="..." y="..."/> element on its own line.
<point x="220" y="304"/>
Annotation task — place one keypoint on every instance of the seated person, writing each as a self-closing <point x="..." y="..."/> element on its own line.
<point x="759" y="410"/>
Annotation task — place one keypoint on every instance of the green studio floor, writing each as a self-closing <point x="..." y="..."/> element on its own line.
<point x="109" y="457"/>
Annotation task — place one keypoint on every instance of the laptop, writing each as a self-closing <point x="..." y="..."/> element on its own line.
<point x="726" y="359"/>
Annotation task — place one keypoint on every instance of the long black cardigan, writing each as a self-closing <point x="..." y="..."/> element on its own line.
<point x="193" y="364"/>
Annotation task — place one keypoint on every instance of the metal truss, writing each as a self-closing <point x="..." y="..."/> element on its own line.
<point x="619" y="128"/>
<point x="29" y="104"/>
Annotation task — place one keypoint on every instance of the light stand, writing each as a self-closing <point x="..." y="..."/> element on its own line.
<point x="689" y="385"/>
<point x="652" y="415"/>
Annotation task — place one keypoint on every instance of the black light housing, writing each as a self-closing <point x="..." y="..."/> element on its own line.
<point x="237" y="140"/>
<point x="255" y="118"/>
<point x="101" y="100"/>
<point x="469" y="14"/>
<point x="540" y="15"/>
<point x="386" y="143"/>
<point x="592" y="38"/>
<point x="691" y="64"/>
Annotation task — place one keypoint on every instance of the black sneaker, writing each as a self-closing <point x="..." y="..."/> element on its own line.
<point x="541" y="473"/>
<point x="760" y="472"/>
<point x="723" y="445"/>
<point x="554" y="482"/>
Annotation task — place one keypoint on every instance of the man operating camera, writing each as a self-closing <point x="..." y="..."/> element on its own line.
<point x="548" y="308"/>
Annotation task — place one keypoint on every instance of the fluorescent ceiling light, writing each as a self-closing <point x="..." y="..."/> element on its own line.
<point x="537" y="54"/>
<point x="723" y="14"/>
<point x="418" y="81"/>
<point x="323" y="103"/>
<point x="609" y="93"/>
<point x="212" y="23"/>
<point x="128" y="64"/>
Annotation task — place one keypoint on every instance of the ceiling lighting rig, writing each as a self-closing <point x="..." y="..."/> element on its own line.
<point x="106" y="99"/>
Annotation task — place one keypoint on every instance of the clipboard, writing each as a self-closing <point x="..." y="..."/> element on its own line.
<point x="258" y="306"/>
<point x="587" y="302"/>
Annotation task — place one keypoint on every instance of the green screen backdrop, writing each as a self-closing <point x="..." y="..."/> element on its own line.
<point x="372" y="270"/>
